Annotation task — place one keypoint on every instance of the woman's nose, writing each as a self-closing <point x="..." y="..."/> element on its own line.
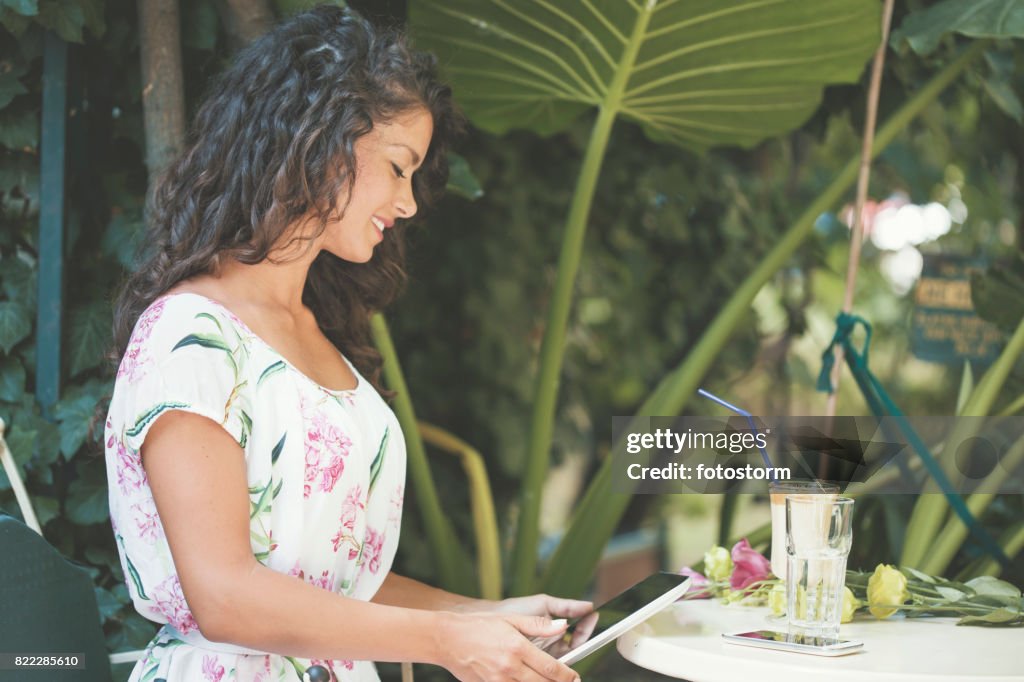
<point x="405" y="203"/>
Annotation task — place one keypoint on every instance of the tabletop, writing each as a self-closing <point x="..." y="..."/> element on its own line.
<point x="685" y="641"/>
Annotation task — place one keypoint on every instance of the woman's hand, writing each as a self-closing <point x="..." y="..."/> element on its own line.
<point x="554" y="607"/>
<point x="495" y="647"/>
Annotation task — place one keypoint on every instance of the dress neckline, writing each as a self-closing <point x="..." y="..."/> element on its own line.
<point x="360" y="382"/>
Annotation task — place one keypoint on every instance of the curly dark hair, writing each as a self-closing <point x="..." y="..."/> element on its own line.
<point x="274" y="141"/>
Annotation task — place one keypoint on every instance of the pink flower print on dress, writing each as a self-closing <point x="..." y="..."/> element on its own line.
<point x="212" y="671"/>
<point x="312" y="466"/>
<point x="130" y="474"/>
<point x="351" y="510"/>
<point x="372" y="547"/>
<point x="147" y="521"/>
<point x="171" y="602"/>
<point x="324" y="582"/>
<point x="352" y="507"/>
<point x="296" y="571"/>
<point x="331" y="474"/>
<point x="135" y="357"/>
<point x="264" y="675"/>
<point x="395" y="512"/>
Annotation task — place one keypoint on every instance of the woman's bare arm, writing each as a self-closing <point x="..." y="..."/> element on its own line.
<point x="197" y="474"/>
<point x="397" y="590"/>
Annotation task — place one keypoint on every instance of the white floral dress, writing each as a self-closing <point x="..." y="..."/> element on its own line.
<point x="325" y="472"/>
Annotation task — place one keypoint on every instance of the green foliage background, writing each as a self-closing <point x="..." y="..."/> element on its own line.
<point x="671" y="235"/>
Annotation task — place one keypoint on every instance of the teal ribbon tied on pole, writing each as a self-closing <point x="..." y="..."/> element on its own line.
<point x="883" y="406"/>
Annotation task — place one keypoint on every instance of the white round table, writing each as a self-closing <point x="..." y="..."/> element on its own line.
<point x="685" y="641"/>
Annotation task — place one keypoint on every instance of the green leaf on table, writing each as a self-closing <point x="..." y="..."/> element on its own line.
<point x="15" y="324"/>
<point x="913" y="572"/>
<point x="992" y="586"/>
<point x="698" y="75"/>
<point x="997" y="617"/>
<point x="950" y="593"/>
<point x="923" y="30"/>
<point x="12" y="380"/>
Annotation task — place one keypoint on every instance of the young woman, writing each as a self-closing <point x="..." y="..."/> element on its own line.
<point x="256" y="475"/>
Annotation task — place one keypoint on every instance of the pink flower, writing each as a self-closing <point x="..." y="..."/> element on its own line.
<point x="171" y="602"/>
<point x="698" y="584"/>
<point x="130" y="474"/>
<point x="352" y="507"/>
<point x="135" y="357"/>
<point x="750" y="566"/>
<point x="212" y="671"/>
<point x="372" y="547"/>
<point x="331" y="473"/>
<point x="395" y="513"/>
<point x="147" y="521"/>
<point x="324" y="582"/>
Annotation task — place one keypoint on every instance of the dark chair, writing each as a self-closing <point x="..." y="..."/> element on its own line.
<point x="47" y="606"/>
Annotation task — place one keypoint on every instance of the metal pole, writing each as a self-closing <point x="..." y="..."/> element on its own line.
<point x="51" y="222"/>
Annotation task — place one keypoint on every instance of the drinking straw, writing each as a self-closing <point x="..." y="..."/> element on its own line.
<point x="753" y="427"/>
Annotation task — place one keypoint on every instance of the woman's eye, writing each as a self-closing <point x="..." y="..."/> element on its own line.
<point x="398" y="171"/>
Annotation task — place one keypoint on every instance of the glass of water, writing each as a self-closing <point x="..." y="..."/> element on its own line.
<point x="818" y="538"/>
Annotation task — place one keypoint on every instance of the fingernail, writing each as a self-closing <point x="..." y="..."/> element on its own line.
<point x="560" y="623"/>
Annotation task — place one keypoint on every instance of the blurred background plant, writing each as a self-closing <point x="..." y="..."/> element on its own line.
<point x="672" y="235"/>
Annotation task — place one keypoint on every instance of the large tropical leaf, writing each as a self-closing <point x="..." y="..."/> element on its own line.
<point x="978" y="19"/>
<point x="697" y="73"/>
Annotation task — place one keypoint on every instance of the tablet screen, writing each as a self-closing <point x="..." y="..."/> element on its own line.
<point x="618" y="609"/>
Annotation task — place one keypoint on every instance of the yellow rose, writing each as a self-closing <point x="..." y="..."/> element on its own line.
<point x="887" y="590"/>
<point x="717" y="564"/>
<point x="777" y="599"/>
<point x="850" y="605"/>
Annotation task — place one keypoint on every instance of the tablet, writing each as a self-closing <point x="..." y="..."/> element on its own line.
<point x="622" y="612"/>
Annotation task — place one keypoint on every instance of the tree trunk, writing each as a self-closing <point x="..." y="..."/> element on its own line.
<point x="245" y="20"/>
<point x="163" y="92"/>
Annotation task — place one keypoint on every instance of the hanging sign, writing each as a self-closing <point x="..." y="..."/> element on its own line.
<point x="945" y="327"/>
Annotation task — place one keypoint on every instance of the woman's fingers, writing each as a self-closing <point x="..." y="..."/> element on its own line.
<point x="584" y="629"/>
<point x="547" y="668"/>
<point x="568" y="608"/>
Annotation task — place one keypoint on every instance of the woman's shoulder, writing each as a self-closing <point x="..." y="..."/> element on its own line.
<point x="181" y="312"/>
<point x="174" y="322"/>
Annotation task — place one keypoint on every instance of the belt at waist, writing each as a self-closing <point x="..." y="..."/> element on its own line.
<point x="196" y="639"/>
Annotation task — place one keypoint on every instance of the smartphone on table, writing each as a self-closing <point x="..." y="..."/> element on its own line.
<point x="796" y="643"/>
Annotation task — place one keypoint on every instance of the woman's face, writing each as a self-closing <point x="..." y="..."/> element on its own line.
<point x="386" y="158"/>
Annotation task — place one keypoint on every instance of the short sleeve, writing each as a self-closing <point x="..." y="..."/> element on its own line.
<point x="187" y="355"/>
